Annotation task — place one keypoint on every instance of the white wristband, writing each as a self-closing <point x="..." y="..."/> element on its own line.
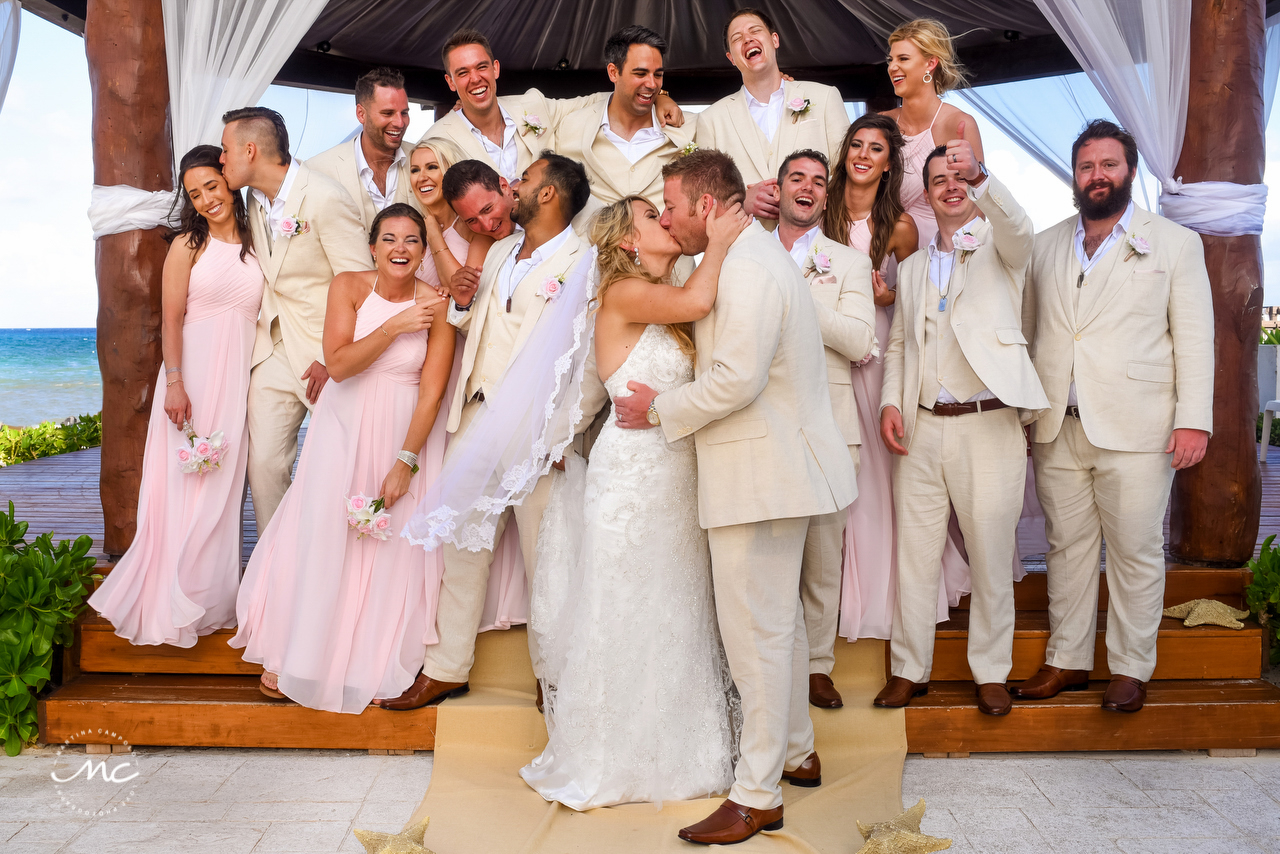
<point x="410" y="459"/>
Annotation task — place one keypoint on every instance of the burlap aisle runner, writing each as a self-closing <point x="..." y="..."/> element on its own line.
<point x="478" y="803"/>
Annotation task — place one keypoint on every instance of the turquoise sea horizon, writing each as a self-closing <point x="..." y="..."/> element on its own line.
<point x="48" y="374"/>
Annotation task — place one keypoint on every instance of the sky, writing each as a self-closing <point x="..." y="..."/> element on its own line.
<point x="46" y="245"/>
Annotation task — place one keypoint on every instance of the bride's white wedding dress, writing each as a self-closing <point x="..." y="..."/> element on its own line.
<point x="639" y="701"/>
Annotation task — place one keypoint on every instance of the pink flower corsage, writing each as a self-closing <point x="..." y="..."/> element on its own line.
<point x="1137" y="246"/>
<point x="967" y="244"/>
<point x="799" y="107"/>
<point x="292" y="227"/>
<point x="551" y="288"/>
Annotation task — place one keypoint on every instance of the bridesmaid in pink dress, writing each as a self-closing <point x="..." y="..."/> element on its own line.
<point x="178" y="579"/>
<point x="337" y="619"/>
<point x="864" y="209"/>
<point x="451" y="245"/>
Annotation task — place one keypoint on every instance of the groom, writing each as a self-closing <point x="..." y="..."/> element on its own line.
<point x="771" y="463"/>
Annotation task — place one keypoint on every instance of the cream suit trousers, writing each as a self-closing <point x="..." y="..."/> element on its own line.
<point x="277" y="406"/>
<point x="820" y="574"/>
<point x="978" y="464"/>
<point x="1089" y="493"/>
<point x="755" y="570"/>
<point x="466" y="582"/>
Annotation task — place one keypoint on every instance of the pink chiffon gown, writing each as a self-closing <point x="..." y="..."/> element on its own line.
<point x="506" y="601"/>
<point x="345" y="620"/>
<point x="178" y="579"/>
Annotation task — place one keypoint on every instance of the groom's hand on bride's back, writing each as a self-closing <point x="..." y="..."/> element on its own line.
<point x="632" y="411"/>
<point x="464" y="284"/>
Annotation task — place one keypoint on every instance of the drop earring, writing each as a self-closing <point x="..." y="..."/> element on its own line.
<point x="928" y="77"/>
<point x="637" y="255"/>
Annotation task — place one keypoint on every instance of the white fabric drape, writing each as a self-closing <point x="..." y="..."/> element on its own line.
<point x="1138" y="55"/>
<point x="222" y="55"/>
<point x="1272" y="67"/>
<point x="10" y="29"/>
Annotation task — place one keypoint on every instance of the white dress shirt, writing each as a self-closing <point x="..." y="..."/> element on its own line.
<point x="941" y="266"/>
<point x="800" y="249"/>
<point x="380" y="200"/>
<point x="768" y="116"/>
<point x="513" y="271"/>
<point x="645" y="140"/>
<point x="275" y="207"/>
<point x="507" y="158"/>
<point x="1088" y="263"/>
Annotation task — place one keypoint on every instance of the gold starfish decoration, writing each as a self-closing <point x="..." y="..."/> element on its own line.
<point x="900" y="835"/>
<point x="1207" y="612"/>
<point x="405" y="842"/>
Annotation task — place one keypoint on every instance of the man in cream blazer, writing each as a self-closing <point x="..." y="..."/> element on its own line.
<point x="771" y="463"/>
<point x="621" y="141"/>
<point x="956" y="375"/>
<point x="374" y="167"/>
<point x="768" y="118"/>
<point x="840" y="281"/>
<point x="306" y="230"/>
<point x="498" y="312"/>
<point x="1120" y="316"/>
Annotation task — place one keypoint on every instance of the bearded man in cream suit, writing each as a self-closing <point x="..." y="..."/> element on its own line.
<point x="772" y="463"/>
<point x="498" y="311"/>
<point x="1120" y="316"/>
<point x="840" y="280"/>
<point x="759" y="125"/>
<point x="374" y="167"/>
<point x="506" y="132"/>
<point x="306" y="230"/>
<point x="956" y="374"/>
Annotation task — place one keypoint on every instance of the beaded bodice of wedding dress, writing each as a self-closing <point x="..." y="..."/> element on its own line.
<point x="640" y="704"/>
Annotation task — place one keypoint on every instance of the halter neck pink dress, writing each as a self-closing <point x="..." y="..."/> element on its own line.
<point x="345" y="620"/>
<point x="178" y="579"/>
<point x="914" y="198"/>
<point x="506" y="603"/>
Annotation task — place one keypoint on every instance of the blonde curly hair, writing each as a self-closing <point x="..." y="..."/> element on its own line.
<point x="934" y="41"/>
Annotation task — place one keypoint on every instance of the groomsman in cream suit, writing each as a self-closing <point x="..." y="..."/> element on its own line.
<point x="1121" y="321"/>
<point x="956" y="374"/>
<point x="772" y="463"/>
<point x="507" y="131"/>
<point x="759" y="125"/>
<point x="306" y="230"/>
<point x="840" y="280"/>
<point x="498" y="311"/>
<point x="621" y="141"/>
<point x="374" y="167"/>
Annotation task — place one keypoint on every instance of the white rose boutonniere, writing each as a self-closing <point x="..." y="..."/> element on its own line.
<point x="1137" y="246"/>
<point x="292" y="227"/>
<point x="967" y="244"/>
<point x="817" y="262"/>
<point x="799" y="108"/>
<point x="550" y="289"/>
<point x="532" y="124"/>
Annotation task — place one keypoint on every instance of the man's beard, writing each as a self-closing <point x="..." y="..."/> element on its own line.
<point x="1113" y="203"/>
<point x="526" y="210"/>
<point x="798" y="215"/>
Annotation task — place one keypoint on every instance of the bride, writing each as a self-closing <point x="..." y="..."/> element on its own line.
<point x="639" y="702"/>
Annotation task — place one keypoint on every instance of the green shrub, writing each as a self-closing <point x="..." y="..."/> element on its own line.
<point x="1262" y="596"/>
<point x="1275" y="430"/>
<point x="49" y="438"/>
<point x="43" y="588"/>
<point x="1270" y="335"/>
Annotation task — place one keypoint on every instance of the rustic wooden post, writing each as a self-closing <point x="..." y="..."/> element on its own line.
<point x="124" y="42"/>
<point x="1216" y="504"/>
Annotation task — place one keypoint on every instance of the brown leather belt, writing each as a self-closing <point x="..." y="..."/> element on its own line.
<point x="967" y="408"/>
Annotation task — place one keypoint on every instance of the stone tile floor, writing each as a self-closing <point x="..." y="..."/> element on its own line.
<point x="224" y="801"/>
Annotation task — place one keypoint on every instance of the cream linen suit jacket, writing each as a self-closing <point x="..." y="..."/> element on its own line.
<point x="1140" y="345"/>
<point x="550" y="111"/>
<point x="471" y="322"/>
<point x="727" y="126"/>
<point x="846" y="309"/>
<point x="986" y="311"/>
<point x="759" y="408"/>
<point x="299" y="269"/>
<point x="339" y="163"/>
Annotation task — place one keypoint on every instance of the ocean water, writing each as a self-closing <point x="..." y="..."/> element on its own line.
<point x="48" y="374"/>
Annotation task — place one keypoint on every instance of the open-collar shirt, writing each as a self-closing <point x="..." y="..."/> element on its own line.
<point x="800" y="249"/>
<point x="768" y="115"/>
<point x="513" y="271"/>
<point x="941" y="264"/>
<point x="1117" y="234"/>
<point x="645" y="140"/>
<point x="275" y="207"/>
<point x="505" y="158"/>
<point x="380" y="200"/>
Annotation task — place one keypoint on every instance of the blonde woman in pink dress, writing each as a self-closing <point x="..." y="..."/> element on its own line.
<point x="865" y="210"/>
<point x="337" y="619"/>
<point x="178" y="579"/>
<point x="451" y="244"/>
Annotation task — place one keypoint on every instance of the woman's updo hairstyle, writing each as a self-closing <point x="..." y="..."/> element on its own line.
<point x="934" y="41"/>
<point x="399" y="209"/>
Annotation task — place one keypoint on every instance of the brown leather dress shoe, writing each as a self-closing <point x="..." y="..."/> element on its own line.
<point x="1049" y="681"/>
<point x="732" y="823"/>
<point x="1124" y="694"/>
<point x="823" y="693"/>
<point x="898" y="692"/>
<point x="425" y="692"/>
<point x="538" y="702"/>
<point x="993" y="699"/>
<point x="808" y="775"/>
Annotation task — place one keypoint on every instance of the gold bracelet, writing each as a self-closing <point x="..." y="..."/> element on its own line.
<point x="384" y="331"/>
<point x="174" y="382"/>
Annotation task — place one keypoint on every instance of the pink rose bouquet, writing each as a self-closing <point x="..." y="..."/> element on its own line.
<point x="369" y="517"/>
<point x="200" y="454"/>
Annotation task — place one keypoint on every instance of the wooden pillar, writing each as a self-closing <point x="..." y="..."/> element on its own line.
<point x="124" y="42"/>
<point x="1216" y="504"/>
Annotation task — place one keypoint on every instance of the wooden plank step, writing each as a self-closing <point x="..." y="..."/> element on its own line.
<point x="102" y="651"/>
<point x="1182" y="584"/>
<point x="1200" y="652"/>
<point x="1178" y="715"/>
<point x="219" y="711"/>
